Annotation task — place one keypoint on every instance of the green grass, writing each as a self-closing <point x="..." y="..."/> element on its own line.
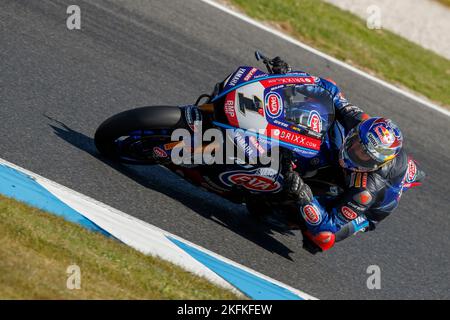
<point x="36" y="249"/>
<point x="346" y="37"/>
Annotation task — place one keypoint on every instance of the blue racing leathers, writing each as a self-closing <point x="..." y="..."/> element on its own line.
<point x="368" y="198"/>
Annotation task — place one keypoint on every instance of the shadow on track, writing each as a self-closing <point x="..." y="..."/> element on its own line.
<point x="223" y="212"/>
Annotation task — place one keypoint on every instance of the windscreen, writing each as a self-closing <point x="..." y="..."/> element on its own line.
<point x="309" y="106"/>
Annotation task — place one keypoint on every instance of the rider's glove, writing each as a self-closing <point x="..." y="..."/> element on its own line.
<point x="296" y="189"/>
<point x="279" y="66"/>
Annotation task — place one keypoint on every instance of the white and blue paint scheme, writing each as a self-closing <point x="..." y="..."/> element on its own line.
<point x="39" y="192"/>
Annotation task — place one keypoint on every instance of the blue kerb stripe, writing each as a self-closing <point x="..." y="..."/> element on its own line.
<point x="251" y="285"/>
<point x="17" y="185"/>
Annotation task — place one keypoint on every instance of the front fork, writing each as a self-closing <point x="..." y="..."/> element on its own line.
<point x="196" y="120"/>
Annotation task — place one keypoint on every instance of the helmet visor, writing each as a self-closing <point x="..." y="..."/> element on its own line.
<point x="358" y="155"/>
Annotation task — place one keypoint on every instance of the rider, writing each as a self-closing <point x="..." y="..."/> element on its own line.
<point x="375" y="171"/>
<point x="370" y="163"/>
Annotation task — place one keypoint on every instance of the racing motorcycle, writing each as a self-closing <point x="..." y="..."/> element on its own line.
<point x="290" y="111"/>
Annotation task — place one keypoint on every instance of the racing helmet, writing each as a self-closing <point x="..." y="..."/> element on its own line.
<point x="370" y="145"/>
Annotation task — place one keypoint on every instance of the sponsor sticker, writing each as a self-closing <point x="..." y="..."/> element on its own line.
<point x="360" y="220"/>
<point x="364" y="180"/>
<point x="351" y="108"/>
<point x="280" y="123"/>
<point x="236" y="77"/>
<point x="293" y="138"/>
<point x="315" y="121"/>
<point x="295" y="128"/>
<point x="250" y="180"/>
<point x="287" y="80"/>
<point x="159" y="153"/>
<point x="230" y="110"/>
<point x="411" y="174"/>
<point x="354" y="206"/>
<point x="348" y="213"/>
<point x="256" y="145"/>
<point x="360" y="224"/>
<point x="312" y="215"/>
<point x="267" y="172"/>
<point x="250" y="74"/>
<point x="274" y="105"/>
<point x="240" y="140"/>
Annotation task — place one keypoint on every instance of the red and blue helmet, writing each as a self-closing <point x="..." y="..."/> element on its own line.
<point x="370" y="145"/>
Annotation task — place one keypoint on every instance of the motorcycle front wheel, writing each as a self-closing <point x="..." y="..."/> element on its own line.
<point x="130" y="136"/>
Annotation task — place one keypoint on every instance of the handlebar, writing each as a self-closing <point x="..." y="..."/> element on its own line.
<point x="267" y="61"/>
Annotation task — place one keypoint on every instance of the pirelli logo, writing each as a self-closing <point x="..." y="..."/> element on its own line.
<point x="358" y="180"/>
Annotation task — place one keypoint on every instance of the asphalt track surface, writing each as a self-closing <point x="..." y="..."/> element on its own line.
<point x="57" y="86"/>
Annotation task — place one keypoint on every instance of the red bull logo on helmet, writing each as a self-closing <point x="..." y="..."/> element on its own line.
<point x="384" y="135"/>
